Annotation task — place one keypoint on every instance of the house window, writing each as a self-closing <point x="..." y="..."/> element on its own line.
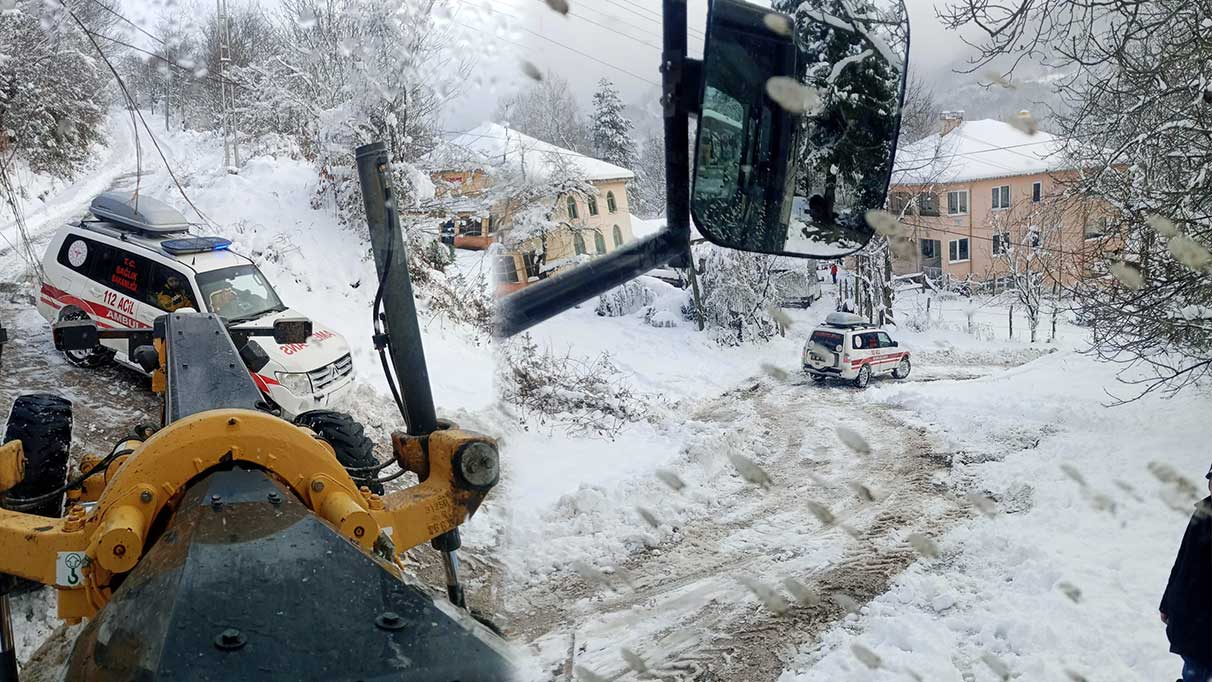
<point x="578" y="243"/>
<point x="1037" y="192"/>
<point x="929" y="248"/>
<point x="1001" y="197"/>
<point x="610" y="205"/>
<point x="618" y="236"/>
<point x="572" y="208"/>
<point x="958" y="250"/>
<point x="599" y="241"/>
<point x="927" y="204"/>
<point x="1001" y="243"/>
<point x="957" y="202"/>
<point x="899" y="202"/>
<point x="593" y="204"/>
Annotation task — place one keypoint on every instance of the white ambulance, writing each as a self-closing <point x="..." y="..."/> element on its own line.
<point x="133" y="261"/>
<point x="848" y="347"/>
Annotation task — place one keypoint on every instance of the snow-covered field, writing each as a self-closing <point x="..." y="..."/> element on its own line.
<point x="1059" y="580"/>
<point x="596" y="561"/>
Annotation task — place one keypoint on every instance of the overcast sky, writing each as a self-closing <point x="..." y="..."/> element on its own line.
<point x="620" y="40"/>
<point x="616" y="39"/>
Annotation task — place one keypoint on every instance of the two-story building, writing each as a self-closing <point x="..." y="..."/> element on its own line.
<point x="468" y="172"/>
<point x="975" y="190"/>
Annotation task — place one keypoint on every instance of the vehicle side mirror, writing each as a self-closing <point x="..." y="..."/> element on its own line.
<point x="293" y="330"/>
<point x="254" y="356"/>
<point x="75" y="335"/>
<point x="798" y="125"/>
<point x="895" y="344"/>
<point x="146" y="357"/>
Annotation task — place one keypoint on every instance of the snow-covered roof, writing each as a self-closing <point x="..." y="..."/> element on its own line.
<point x="490" y="145"/>
<point x="978" y="150"/>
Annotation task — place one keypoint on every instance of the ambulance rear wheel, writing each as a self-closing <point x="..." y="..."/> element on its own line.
<point x="902" y="370"/>
<point x="864" y="377"/>
<point x="88" y="359"/>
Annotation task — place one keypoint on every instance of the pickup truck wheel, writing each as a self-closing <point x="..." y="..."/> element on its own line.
<point x="348" y="439"/>
<point x="43" y="424"/>
<point x="864" y="377"/>
<point x="88" y="359"/>
<point x="902" y="369"/>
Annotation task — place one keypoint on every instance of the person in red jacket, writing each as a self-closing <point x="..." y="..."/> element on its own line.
<point x="833" y="271"/>
<point x="1186" y="606"/>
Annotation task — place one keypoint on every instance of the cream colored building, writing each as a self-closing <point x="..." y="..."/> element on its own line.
<point x="977" y="188"/>
<point x="588" y="225"/>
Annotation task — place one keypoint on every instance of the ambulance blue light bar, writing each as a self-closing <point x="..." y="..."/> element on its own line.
<point x="187" y="245"/>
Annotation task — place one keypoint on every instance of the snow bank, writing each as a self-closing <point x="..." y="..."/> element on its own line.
<point x="1066" y="576"/>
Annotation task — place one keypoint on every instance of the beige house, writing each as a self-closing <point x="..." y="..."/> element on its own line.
<point x="975" y="191"/>
<point x="577" y="225"/>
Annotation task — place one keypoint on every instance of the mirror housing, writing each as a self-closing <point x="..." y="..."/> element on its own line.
<point x="896" y="344"/>
<point x="75" y="335"/>
<point x="798" y="124"/>
<point x="292" y="330"/>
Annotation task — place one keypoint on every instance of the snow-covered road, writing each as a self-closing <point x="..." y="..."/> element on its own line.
<point x="712" y="594"/>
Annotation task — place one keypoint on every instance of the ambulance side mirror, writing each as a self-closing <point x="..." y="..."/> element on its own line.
<point x="293" y="330"/>
<point x="75" y="335"/>
<point x="798" y="125"/>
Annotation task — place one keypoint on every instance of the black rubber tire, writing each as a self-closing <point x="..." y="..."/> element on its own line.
<point x="43" y="424"/>
<point x="95" y="357"/>
<point x="864" y="377"/>
<point x="905" y="365"/>
<point x="348" y="439"/>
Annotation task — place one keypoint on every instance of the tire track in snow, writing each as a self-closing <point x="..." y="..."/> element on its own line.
<point x="686" y="615"/>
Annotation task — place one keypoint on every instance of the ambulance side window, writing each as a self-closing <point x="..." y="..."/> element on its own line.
<point x="885" y="342"/>
<point x="81" y="255"/>
<point x="169" y="289"/>
<point x="125" y="273"/>
<point x="866" y="341"/>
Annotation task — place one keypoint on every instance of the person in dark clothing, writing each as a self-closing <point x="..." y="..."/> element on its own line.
<point x="1186" y="606"/>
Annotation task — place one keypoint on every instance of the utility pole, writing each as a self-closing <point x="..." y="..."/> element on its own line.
<point x="227" y="92"/>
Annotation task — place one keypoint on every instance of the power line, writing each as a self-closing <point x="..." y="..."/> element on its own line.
<point x="571" y="49"/>
<point x="1006" y="241"/>
<point x="130" y="103"/>
<point x="170" y="62"/>
<point x="138" y="28"/>
<point x="577" y="16"/>
<point x="650" y="15"/>
<point x="978" y="151"/>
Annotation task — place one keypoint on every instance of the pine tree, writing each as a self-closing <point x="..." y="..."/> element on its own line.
<point x="611" y="128"/>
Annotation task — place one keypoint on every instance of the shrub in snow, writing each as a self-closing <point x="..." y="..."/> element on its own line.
<point x="624" y="300"/>
<point x="660" y="319"/>
<point x="582" y="396"/>
<point x="738" y="289"/>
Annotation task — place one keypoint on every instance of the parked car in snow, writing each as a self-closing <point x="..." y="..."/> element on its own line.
<point x="128" y="266"/>
<point x="848" y="347"/>
<point x="796" y="281"/>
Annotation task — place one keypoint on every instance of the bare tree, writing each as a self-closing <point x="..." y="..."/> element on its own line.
<point x="547" y="111"/>
<point x="1140" y="128"/>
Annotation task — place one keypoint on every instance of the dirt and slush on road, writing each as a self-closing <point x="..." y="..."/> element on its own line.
<point x="736" y="592"/>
